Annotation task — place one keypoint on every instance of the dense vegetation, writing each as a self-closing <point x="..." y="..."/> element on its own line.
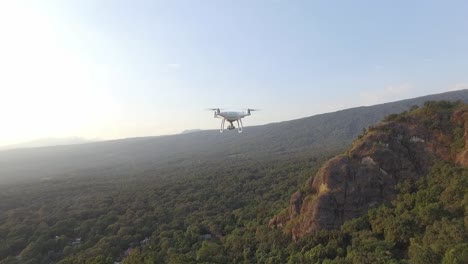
<point x="218" y="212"/>
<point x="427" y="223"/>
<point x="182" y="212"/>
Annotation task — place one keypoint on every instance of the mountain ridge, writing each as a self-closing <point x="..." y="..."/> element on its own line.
<point x="323" y="133"/>
<point x="48" y="142"/>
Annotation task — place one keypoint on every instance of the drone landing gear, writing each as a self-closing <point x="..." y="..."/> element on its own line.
<point x="240" y="126"/>
<point x="231" y="126"/>
<point x="222" y="126"/>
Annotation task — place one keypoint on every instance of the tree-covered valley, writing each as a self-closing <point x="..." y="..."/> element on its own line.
<point x="217" y="208"/>
<point x="178" y="211"/>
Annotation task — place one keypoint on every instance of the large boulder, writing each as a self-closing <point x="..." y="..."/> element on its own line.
<point x="348" y="185"/>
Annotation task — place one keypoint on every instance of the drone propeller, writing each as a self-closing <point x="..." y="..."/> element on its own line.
<point x="251" y="110"/>
<point x="216" y="111"/>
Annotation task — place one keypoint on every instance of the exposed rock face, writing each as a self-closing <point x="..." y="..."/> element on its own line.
<point x="460" y="117"/>
<point x="348" y="185"/>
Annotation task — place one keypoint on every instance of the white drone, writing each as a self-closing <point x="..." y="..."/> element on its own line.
<point x="231" y="117"/>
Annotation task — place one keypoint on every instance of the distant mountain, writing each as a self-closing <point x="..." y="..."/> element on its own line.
<point x="190" y="131"/>
<point x="324" y="133"/>
<point x="45" y="142"/>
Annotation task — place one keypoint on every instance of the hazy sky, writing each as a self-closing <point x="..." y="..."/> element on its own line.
<point x="113" y="69"/>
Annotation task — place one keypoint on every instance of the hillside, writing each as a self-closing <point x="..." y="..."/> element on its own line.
<point x="219" y="211"/>
<point x="325" y="134"/>
<point x="400" y="150"/>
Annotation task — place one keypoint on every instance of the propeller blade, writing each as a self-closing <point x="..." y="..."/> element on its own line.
<point x="216" y="111"/>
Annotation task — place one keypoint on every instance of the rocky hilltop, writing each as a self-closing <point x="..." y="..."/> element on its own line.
<point x="403" y="146"/>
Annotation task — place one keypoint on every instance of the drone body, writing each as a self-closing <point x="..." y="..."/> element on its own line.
<point x="231" y="116"/>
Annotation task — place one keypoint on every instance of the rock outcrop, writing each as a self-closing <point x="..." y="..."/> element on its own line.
<point x="348" y="185"/>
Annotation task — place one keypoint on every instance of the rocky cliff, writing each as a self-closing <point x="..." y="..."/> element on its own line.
<point x="402" y="147"/>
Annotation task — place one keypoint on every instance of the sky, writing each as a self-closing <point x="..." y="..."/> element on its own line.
<point x="112" y="69"/>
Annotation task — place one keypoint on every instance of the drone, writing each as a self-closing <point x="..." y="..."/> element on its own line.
<point x="231" y="117"/>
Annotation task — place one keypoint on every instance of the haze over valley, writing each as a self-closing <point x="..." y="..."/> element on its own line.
<point x="316" y="135"/>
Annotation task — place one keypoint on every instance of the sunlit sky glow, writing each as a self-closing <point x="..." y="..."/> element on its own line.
<point x="114" y="69"/>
